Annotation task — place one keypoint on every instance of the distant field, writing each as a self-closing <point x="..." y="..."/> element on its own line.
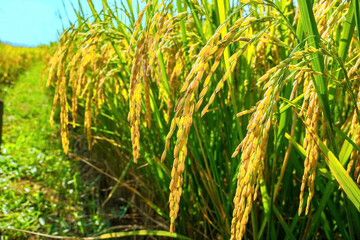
<point x="15" y="60"/>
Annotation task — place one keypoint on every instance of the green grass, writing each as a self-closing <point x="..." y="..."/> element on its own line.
<point x="40" y="189"/>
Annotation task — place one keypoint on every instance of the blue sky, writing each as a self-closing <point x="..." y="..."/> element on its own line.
<point x="35" y="22"/>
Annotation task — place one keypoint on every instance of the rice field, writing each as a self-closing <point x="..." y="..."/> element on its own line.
<point x="216" y="119"/>
<point x="15" y="60"/>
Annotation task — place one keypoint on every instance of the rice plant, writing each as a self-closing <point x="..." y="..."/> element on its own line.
<point x="264" y="99"/>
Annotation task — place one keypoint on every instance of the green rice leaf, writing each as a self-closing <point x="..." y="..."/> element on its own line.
<point x="357" y="16"/>
<point x="313" y="39"/>
<point x="342" y="177"/>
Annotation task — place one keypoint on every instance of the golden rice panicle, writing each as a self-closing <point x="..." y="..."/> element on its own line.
<point x="183" y="120"/>
<point x="354" y="68"/>
<point x="190" y="86"/>
<point x="357" y="171"/>
<point x="57" y="76"/>
<point x="135" y="99"/>
<point x="54" y="76"/>
<point x="74" y="84"/>
<point x="328" y="23"/>
<point x="176" y="70"/>
<point x="312" y="122"/>
<point x="253" y="153"/>
<point x="85" y="87"/>
<point x="145" y="75"/>
<point x="55" y="103"/>
<point x="135" y="109"/>
<point x="55" y="59"/>
<point x="180" y="153"/>
<point x="76" y="57"/>
<point x="259" y="62"/>
<point x="87" y="119"/>
<point x="217" y="48"/>
<point x="253" y="148"/>
<point x="64" y="115"/>
<point x="138" y="22"/>
<point x="168" y="137"/>
<point x="147" y="67"/>
<point x="214" y="47"/>
<point x="309" y="88"/>
<point x="320" y="11"/>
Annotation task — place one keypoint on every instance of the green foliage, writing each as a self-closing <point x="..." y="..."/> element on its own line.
<point x="294" y="69"/>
